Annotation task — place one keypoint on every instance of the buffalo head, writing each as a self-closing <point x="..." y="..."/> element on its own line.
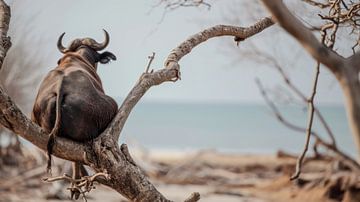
<point x="88" y="49"/>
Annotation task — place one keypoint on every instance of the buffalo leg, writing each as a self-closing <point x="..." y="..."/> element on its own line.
<point x="76" y="174"/>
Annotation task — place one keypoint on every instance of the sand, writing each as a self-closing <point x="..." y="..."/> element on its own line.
<point x="216" y="176"/>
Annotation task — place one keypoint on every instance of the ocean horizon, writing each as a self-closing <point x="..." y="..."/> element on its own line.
<point x="228" y="127"/>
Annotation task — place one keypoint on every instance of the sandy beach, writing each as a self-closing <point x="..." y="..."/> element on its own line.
<point x="216" y="176"/>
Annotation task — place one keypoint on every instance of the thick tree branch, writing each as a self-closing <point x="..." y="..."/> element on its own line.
<point x="355" y="60"/>
<point x="15" y="120"/>
<point x="5" y="43"/>
<point x="216" y="31"/>
<point x="292" y="25"/>
<point x="171" y="70"/>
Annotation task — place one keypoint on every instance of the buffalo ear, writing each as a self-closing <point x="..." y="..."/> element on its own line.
<point x="105" y="57"/>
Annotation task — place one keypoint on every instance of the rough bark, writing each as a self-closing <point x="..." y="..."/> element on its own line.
<point x="346" y="70"/>
<point x="4" y="26"/>
<point x="170" y="72"/>
<point x="103" y="154"/>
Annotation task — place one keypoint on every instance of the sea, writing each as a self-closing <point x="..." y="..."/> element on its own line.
<point x="230" y="128"/>
<point x="226" y="127"/>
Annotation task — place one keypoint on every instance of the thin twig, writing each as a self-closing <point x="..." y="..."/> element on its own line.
<point x="265" y="58"/>
<point x="174" y="4"/>
<point x="151" y="58"/>
<point x="310" y="123"/>
<point x="317" y="4"/>
<point x="339" y="14"/>
<point x="83" y="185"/>
<point x="353" y="164"/>
<point x="81" y="180"/>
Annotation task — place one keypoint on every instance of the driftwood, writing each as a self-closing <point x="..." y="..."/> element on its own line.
<point x="21" y="178"/>
<point x="103" y="154"/>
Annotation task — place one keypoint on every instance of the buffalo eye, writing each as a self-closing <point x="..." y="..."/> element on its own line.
<point x="105" y="57"/>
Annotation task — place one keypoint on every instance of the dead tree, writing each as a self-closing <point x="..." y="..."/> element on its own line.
<point x="335" y="17"/>
<point x="113" y="164"/>
<point x="345" y="70"/>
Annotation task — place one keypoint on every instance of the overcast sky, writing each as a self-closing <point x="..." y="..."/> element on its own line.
<point x="209" y="74"/>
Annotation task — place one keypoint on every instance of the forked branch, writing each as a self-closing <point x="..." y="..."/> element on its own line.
<point x="81" y="186"/>
<point x="264" y="58"/>
<point x="332" y="147"/>
<point x="311" y="110"/>
<point x="174" y="4"/>
<point x="171" y="70"/>
<point x="307" y="39"/>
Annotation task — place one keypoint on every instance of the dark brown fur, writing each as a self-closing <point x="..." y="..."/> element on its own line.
<point x="71" y="102"/>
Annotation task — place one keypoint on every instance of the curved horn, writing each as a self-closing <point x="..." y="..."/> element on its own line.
<point x="59" y="44"/>
<point x="106" y="42"/>
<point x="95" y="45"/>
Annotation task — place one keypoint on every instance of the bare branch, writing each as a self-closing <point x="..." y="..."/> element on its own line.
<point x="346" y="158"/>
<point x="310" y="101"/>
<point x="216" y="31"/>
<point x="83" y="185"/>
<point x="355" y="60"/>
<point x="292" y="25"/>
<point x="263" y="57"/>
<point x="345" y="70"/>
<point x="81" y="182"/>
<point x="151" y="58"/>
<point x="174" y="4"/>
<point x="310" y="123"/>
<point x="339" y="14"/>
<point x="171" y="71"/>
<point x="317" y="4"/>
<point x="5" y="43"/>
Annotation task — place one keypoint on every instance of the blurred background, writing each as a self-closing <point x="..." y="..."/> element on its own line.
<point x="216" y="105"/>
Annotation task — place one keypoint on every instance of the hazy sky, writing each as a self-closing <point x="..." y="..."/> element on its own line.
<point x="208" y="74"/>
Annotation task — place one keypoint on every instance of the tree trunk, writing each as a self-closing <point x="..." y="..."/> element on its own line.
<point x="350" y="85"/>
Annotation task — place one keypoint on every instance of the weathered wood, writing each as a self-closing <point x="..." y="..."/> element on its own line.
<point x="5" y="43"/>
<point x="346" y="70"/>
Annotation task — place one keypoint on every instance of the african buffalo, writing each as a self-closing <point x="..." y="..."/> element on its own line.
<point x="71" y="102"/>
